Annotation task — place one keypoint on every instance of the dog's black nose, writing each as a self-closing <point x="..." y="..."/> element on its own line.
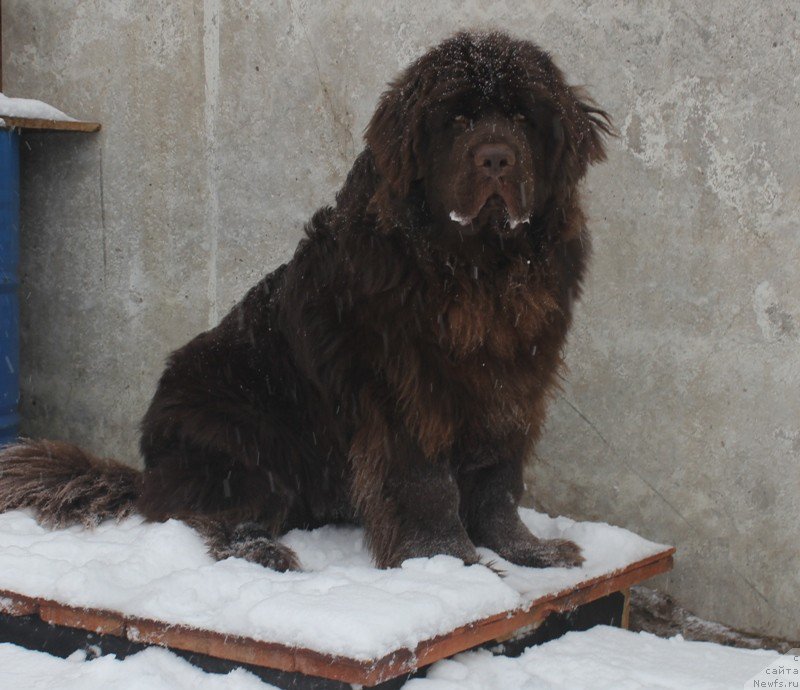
<point x="495" y="160"/>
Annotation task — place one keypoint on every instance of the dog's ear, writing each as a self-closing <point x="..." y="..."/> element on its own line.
<point x="392" y="134"/>
<point x="594" y="124"/>
<point x="578" y="138"/>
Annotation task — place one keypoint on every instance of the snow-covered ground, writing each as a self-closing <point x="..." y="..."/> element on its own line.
<point x="340" y="604"/>
<point x="599" y="659"/>
<point x="603" y="658"/>
<point x="152" y="669"/>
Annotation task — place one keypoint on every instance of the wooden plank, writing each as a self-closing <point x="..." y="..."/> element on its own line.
<point x="14" y="604"/>
<point x="307" y="661"/>
<point x="49" y="125"/>
<point x="249" y="651"/>
<point x="101" y="622"/>
<point x="626" y="609"/>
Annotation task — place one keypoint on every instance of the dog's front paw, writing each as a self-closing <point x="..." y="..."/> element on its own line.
<point x="542" y="553"/>
<point x="557" y="553"/>
<point x="254" y="543"/>
<point x="460" y="548"/>
<point x="267" y="552"/>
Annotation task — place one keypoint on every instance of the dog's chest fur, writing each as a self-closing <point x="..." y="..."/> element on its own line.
<point x="487" y="356"/>
<point x="495" y="317"/>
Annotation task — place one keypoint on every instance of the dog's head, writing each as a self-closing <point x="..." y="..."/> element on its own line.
<point x="485" y="127"/>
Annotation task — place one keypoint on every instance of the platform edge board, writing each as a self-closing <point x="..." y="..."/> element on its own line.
<point x="13" y="604"/>
<point x="297" y="659"/>
<point x="505" y="623"/>
<point x="93" y="620"/>
<point x="223" y="646"/>
<point x="48" y="125"/>
<point x="249" y="651"/>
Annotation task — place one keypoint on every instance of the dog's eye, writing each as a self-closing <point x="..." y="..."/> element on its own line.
<point x="461" y="121"/>
<point x="519" y="117"/>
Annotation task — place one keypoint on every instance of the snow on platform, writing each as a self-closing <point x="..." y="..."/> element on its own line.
<point x="339" y="605"/>
<point x="31" y="109"/>
<point x="27" y="113"/>
<point x="602" y="658"/>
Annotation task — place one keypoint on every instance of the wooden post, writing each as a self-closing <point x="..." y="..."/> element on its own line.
<point x="626" y="609"/>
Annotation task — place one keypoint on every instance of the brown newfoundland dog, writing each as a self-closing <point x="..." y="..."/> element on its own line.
<point x="396" y="371"/>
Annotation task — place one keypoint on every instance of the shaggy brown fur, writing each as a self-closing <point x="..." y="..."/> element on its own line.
<point x="65" y="485"/>
<point x="395" y="372"/>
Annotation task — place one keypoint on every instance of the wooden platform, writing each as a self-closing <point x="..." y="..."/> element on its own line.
<point x="48" y="125"/>
<point x="292" y="659"/>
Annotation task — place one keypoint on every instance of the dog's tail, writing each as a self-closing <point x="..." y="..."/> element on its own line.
<point x="65" y="485"/>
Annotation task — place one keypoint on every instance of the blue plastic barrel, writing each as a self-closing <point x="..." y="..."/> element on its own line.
<point x="9" y="300"/>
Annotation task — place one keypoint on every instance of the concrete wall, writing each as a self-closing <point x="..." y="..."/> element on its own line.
<point x="226" y="123"/>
